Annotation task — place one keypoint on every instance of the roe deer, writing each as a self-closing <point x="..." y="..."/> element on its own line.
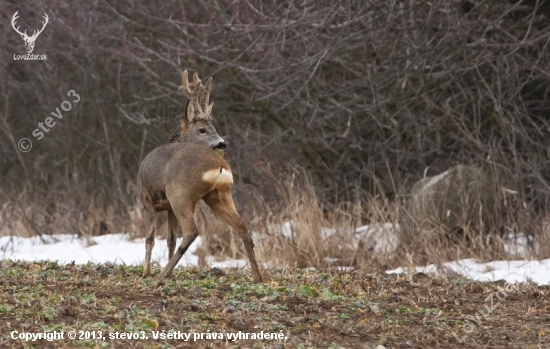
<point x="175" y="176"/>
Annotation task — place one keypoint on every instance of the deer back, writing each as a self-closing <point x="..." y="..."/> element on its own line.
<point x="189" y="169"/>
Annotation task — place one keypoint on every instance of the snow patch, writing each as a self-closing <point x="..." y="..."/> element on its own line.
<point x="510" y="271"/>
<point x="380" y="238"/>
<point x="114" y="248"/>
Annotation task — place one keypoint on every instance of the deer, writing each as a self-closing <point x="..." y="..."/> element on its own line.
<point x="29" y="40"/>
<point x="177" y="175"/>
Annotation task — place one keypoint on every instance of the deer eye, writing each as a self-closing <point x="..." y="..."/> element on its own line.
<point x="202" y="130"/>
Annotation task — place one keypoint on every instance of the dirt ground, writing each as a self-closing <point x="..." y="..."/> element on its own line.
<point x="106" y="304"/>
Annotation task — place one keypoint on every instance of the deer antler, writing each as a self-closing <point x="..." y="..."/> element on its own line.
<point x="35" y="34"/>
<point x="198" y="96"/>
<point x="206" y="96"/>
<point x="13" y="20"/>
<point x="192" y="91"/>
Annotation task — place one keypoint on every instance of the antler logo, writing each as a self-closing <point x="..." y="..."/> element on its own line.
<point x="29" y="40"/>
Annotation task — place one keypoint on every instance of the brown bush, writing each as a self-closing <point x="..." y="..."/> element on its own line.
<point x="365" y="95"/>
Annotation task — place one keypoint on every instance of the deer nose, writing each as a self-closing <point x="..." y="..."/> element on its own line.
<point x="221" y="145"/>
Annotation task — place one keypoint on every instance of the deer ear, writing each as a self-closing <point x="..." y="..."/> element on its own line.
<point x="184" y="125"/>
<point x="209" y="108"/>
<point x="190" y="112"/>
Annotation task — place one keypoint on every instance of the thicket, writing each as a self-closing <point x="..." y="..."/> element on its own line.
<point x="366" y="96"/>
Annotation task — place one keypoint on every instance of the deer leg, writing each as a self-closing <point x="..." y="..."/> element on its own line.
<point x="190" y="233"/>
<point x="222" y="204"/>
<point x="172" y="232"/>
<point x="152" y="222"/>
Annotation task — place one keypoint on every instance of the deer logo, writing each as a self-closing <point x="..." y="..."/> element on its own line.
<point x="29" y="40"/>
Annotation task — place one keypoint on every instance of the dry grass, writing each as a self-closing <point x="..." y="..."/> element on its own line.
<point x="377" y="94"/>
<point x="299" y="231"/>
<point x="295" y="230"/>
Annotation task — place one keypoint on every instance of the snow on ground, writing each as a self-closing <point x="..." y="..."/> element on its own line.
<point x="511" y="271"/>
<point x="380" y="238"/>
<point x="115" y="248"/>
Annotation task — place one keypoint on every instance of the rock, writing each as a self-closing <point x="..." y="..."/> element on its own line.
<point x="462" y="197"/>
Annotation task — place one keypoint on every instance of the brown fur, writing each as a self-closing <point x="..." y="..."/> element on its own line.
<point x="172" y="178"/>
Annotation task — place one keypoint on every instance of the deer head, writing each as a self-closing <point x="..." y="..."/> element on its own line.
<point x="196" y="125"/>
<point x="29" y="40"/>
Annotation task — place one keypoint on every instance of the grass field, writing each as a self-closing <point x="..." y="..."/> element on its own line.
<point x="308" y="309"/>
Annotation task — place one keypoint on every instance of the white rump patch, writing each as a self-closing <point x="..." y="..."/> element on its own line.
<point x="218" y="176"/>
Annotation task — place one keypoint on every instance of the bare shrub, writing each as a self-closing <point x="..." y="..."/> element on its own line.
<point x="365" y="95"/>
